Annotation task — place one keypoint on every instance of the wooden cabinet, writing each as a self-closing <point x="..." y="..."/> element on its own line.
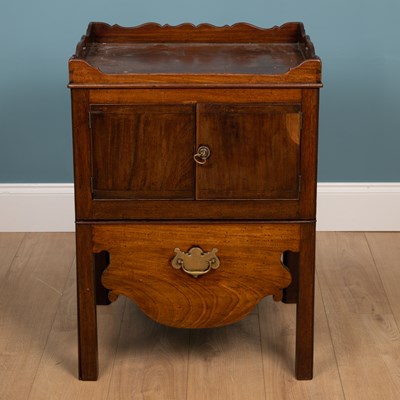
<point x="195" y="152"/>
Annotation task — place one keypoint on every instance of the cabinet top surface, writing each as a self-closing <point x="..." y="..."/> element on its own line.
<point x="198" y="54"/>
<point x="199" y="58"/>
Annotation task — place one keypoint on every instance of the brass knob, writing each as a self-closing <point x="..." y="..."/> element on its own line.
<point x="203" y="152"/>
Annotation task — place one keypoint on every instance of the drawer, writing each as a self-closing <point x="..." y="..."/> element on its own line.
<point x="196" y="275"/>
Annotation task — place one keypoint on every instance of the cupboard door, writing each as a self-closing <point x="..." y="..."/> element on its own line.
<point x="254" y="151"/>
<point x="142" y="151"/>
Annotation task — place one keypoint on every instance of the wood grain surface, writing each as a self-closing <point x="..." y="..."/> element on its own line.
<point x="255" y="151"/>
<point x="250" y="257"/>
<point x="29" y="298"/>
<point x="202" y="54"/>
<point x="137" y="175"/>
<point x="356" y="348"/>
<point x="364" y="332"/>
<point x="143" y="151"/>
<point x="219" y="357"/>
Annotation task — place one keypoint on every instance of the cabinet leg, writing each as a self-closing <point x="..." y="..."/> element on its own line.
<point x="87" y="320"/>
<point x="305" y="305"/>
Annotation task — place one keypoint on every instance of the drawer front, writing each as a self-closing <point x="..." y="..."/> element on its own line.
<point x="196" y="275"/>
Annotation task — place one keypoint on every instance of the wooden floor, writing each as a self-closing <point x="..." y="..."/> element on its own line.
<point x="357" y="337"/>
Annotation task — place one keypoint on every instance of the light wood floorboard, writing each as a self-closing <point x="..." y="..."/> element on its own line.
<point x="364" y="332"/>
<point x="357" y="338"/>
<point x="57" y="376"/>
<point x="9" y="244"/>
<point x="31" y="292"/>
<point x="226" y="362"/>
<point x="385" y="249"/>
<point x="152" y="360"/>
<point x="278" y="323"/>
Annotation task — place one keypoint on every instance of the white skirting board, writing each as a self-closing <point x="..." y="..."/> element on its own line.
<point x="341" y="207"/>
<point x="358" y="207"/>
<point x="37" y="208"/>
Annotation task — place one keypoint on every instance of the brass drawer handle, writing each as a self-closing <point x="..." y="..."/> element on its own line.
<point x="203" y="152"/>
<point x="195" y="262"/>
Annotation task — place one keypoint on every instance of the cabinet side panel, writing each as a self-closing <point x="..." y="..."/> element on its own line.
<point x="309" y="150"/>
<point x="82" y="149"/>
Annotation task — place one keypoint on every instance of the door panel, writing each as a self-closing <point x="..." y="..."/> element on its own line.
<point x="255" y="151"/>
<point x="143" y="151"/>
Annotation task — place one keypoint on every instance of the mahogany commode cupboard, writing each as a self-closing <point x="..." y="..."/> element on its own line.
<point x="195" y="153"/>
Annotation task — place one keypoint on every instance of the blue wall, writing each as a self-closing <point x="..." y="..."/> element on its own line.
<point x="358" y="41"/>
